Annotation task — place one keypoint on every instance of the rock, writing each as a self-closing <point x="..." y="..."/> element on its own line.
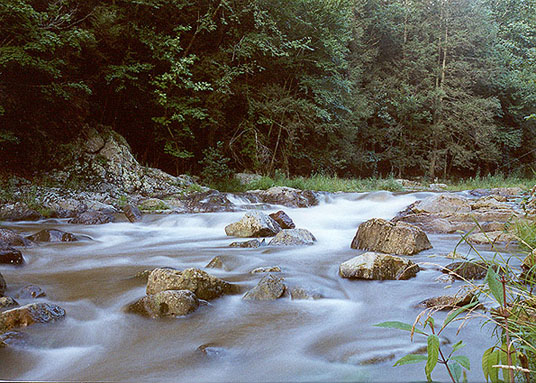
<point x="210" y="201"/>
<point x="10" y="238"/>
<point x="271" y="269"/>
<point x="378" y="267"/>
<point x="293" y="237"/>
<point x="455" y="255"/>
<point x="6" y="302"/>
<point x="268" y="289"/>
<point x="18" y="211"/>
<point x="92" y="218"/>
<point x="254" y="243"/>
<point x="10" y="256"/>
<point x="143" y="275"/>
<point x="12" y="338"/>
<point x="170" y="303"/>
<point x="448" y="302"/>
<point x="211" y="350"/>
<point x="3" y="285"/>
<point x="215" y="263"/>
<point x="205" y="286"/>
<point x="467" y="270"/>
<point x="445" y="278"/>
<point x="284" y="221"/>
<point x="503" y="192"/>
<point x="31" y="292"/>
<point x="153" y="204"/>
<point x="443" y="203"/>
<point x="132" y="213"/>
<point x="389" y="237"/>
<point x="298" y="293"/>
<point x="30" y="314"/>
<point x="52" y="235"/>
<point x="489" y="202"/>
<point x="427" y="222"/>
<point x="290" y="197"/>
<point x="253" y="224"/>
<point x="491" y="238"/>
<point x="247" y="178"/>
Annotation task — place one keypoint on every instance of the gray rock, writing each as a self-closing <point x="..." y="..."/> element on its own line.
<point x="286" y="196"/>
<point x="52" y="235"/>
<point x="31" y="292"/>
<point x="153" y="204"/>
<point x="268" y="289"/>
<point x="205" y="286"/>
<point x="7" y="302"/>
<point x="271" y="269"/>
<point x="10" y="238"/>
<point x="18" y="211"/>
<point x="132" y="213"/>
<point x="388" y="237"/>
<point x="170" y="303"/>
<point x="253" y="224"/>
<point x="254" y="243"/>
<point x="284" y="221"/>
<point x="379" y="267"/>
<point x="448" y="302"/>
<point x="299" y="293"/>
<point x="92" y="218"/>
<point x="467" y="270"/>
<point x="491" y="238"/>
<point x="29" y="315"/>
<point x="293" y="237"/>
<point x="443" y="203"/>
<point x="215" y="263"/>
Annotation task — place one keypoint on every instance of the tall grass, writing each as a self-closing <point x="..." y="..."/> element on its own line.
<point x="490" y="182"/>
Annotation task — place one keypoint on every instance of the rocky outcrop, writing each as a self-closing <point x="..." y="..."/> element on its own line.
<point x="467" y="270"/>
<point x="170" y="303"/>
<point x="29" y="315"/>
<point x="254" y="243"/>
<point x="383" y="236"/>
<point x="52" y="235"/>
<point x="293" y="237"/>
<point x="10" y="256"/>
<point x="253" y="224"/>
<point x="378" y="267"/>
<point x="132" y="213"/>
<point x="284" y="221"/>
<point x="204" y="285"/>
<point x="92" y="218"/>
<point x="10" y="238"/>
<point x="269" y="288"/>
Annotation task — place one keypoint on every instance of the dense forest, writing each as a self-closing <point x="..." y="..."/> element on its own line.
<point x="436" y="88"/>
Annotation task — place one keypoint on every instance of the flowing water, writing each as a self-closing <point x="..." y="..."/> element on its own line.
<point x="328" y="339"/>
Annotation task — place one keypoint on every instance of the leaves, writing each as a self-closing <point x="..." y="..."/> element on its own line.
<point x="491" y="358"/>
<point x="410" y="359"/>
<point x="433" y="354"/>
<point x="495" y="286"/>
<point x="463" y="361"/>
<point x="399" y="326"/>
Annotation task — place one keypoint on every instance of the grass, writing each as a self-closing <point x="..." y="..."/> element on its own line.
<point x="490" y="182"/>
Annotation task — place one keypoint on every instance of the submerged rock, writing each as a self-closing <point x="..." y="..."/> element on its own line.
<point x="215" y="263"/>
<point x="448" y="302"/>
<point x="254" y="243"/>
<point x="12" y="338"/>
<point x="29" y="315"/>
<point x="271" y="269"/>
<point x="204" y="285"/>
<point x="293" y="237"/>
<point x="211" y="350"/>
<point x="379" y="267"/>
<point x="6" y="302"/>
<point x="467" y="270"/>
<point x="92" y="218"/>
<point x="52" y="235"/>
<point x="299" y="293"/>
<point x="10" y="256"/>
<point x="31" y="292"/>
<point x="268" y="289"/>
<point x="10" y="238"/>
<point x="284" y="221"/>
<point x="132" y="213"/>
<point x="383" y="236"/>
<point x="253" y="224"/>
<point x="169" y="303"/>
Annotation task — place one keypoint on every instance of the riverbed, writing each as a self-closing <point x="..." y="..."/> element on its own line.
<point x="328" y="339"/>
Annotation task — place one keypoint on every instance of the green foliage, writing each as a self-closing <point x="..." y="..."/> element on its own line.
<point x="215" y="168"/>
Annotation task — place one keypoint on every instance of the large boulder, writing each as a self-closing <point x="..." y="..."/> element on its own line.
<point x="29" y="315"/>
<point x="284" y="221"/>
<point x="443" y="203"/>
<point x="169" y="303"/>
<point x="10" y="238"/>
<point x="268" y="289"/>
<point x="253" y="224"/>
<point x="52" y="235"/>
<point x="293" y="237"/>
<point x="378" y="267"/>
<point x="92" y="218"/>
<point x="388" y="237"/>
<point x="3" y="285"/>
<point x="10" y="256"/>
<point x="204" y="285"/>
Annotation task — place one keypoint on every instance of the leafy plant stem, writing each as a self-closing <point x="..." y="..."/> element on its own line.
<point x="444" y="360"/>
<point x="507" y="330"/>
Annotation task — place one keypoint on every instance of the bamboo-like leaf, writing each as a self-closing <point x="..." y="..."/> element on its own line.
<point x="399" y="326"/>
<point x="458" y="345"/>
<point x="495" y="286"/>
<point x="493" y="361"/>
<point x="463" y="361"/>
<point x="455" y="370"/>
<point x="433" y="353"/>
<point x="486" y="363"/>
<point x="409" y="359"/>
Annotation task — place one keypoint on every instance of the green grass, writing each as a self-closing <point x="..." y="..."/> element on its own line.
<point x="490" y="182"/>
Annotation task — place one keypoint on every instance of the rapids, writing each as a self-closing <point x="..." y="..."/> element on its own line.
<point x="329" y="339"/>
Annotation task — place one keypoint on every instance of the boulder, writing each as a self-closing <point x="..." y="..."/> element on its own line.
<point x="491" y="238"/>
<point x="205" y="286"/>
<point x="3" y="285"/>
<point x="448" y="302"/>
<point x="30" y="314"/>
<point x="10" y="256"/>
<point x="443" y="203"/>
<point x="169" y="303"/>
<point x="253" y="224"/>
<point x="383" y="236"/>
<point x="293" y="237"/>
<point x="10" y="238"/>
<point x="467" y="270"/>
<point x="299" y="293"/>
<point x="427" y="222"/>
<point x="210" y="201"/>
<point x="18" y="211"/>
<point x="268" y="289"/>
<point x="132" y="213"/>
<point x="271" y="269"/>
<point x="215" y="263"/>
<point x="7" y="302"/>
<point x="286" y="196"/>
<point x="378" y="267"/>
<point x="489" y="203"/>
<point x="31" y="292"/>
<point x="52" y="235"/>
<point x="455" y="255"/>
<point x="254" y="243"/>
<point x="284" y="221"/>
<point x="92" y="218"/>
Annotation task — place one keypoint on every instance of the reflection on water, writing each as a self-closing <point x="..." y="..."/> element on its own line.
<point x="309" y="340"/>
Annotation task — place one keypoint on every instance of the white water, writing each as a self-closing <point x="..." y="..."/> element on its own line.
<point x="285" y="340"/>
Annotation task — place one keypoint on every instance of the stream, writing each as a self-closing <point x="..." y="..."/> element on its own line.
<point x="328" y="339"/>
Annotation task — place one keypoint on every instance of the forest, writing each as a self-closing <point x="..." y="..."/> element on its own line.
<point x="354" y="88"/>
